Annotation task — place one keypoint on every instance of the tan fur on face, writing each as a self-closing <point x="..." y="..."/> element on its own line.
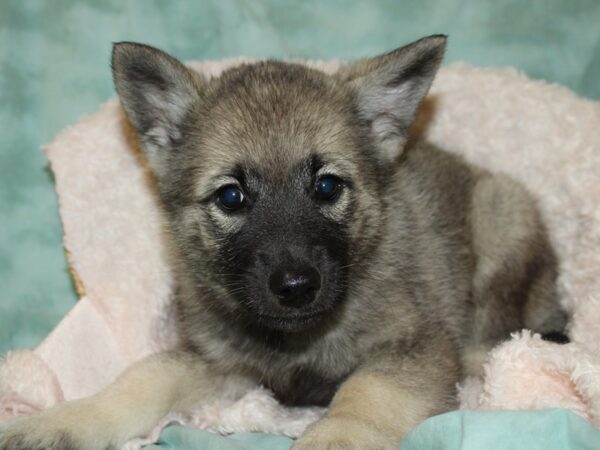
<point x="274" y="124"/>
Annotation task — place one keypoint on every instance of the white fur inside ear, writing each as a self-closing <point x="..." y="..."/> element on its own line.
<point x="153" y="141"/>
<point x="170" y="110"/>
<point x="391" y="111"/>
<point x="173" y="104"/>
<point x="389" y="139"/>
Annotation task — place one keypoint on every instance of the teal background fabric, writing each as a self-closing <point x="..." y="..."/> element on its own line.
<point x="177" y="437"/>
<point x="552" y="429"/>
<point x="54" y="67"/>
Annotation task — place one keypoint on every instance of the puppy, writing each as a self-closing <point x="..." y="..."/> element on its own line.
<point x="318" y="251"/>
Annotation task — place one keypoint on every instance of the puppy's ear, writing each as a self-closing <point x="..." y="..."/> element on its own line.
<point x="157" y="92"/>
<point x="389" y="89"/>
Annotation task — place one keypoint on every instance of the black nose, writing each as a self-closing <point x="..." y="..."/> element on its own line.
<point x="295" y="288"/>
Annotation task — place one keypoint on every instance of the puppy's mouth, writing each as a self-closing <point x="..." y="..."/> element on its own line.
<point x="291" y="323"/>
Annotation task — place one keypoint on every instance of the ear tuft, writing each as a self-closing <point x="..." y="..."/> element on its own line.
<point x="390" y="88"/>
<point x="157" y="92"/>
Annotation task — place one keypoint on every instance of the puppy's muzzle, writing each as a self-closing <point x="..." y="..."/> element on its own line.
<point x="295" y="288"/>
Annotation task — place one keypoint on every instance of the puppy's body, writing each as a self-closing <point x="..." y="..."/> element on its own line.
<point x="318" y="253"/>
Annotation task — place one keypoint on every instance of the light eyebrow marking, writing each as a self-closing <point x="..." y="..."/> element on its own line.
<point x="339" y="169"/>
<point x="320" y="166"/>
<point x="206" y="191"/>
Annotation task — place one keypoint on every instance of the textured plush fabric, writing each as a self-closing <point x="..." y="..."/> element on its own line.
<point x="54" y="68"/>
<point x="543" y="135"/>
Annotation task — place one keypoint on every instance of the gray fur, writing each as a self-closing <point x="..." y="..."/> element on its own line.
<point x="22" y="442"/>
<point x="426" y="262"/>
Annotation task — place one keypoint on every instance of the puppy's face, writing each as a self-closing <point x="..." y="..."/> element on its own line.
<point x="280" y="177"/>
<point x="273" y="174"/>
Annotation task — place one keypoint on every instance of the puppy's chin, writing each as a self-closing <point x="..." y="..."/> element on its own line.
<point x="291" y="323"/>
<point x="260" y="309"/>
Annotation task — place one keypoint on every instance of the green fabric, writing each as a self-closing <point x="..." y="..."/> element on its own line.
<point x="552" y="429"/>
<point x="177" y="437"/>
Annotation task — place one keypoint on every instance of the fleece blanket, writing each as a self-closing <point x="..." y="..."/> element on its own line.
<point x="541" y="134"/>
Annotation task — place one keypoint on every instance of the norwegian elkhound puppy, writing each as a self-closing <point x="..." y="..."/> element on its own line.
<point x="319" y="250"/>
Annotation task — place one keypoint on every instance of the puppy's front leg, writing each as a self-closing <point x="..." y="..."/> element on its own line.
<point x="128" y="408"/>
<point x="382" y="401"/>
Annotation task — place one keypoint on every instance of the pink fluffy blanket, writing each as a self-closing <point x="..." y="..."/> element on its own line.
<point x="541" y="134"/>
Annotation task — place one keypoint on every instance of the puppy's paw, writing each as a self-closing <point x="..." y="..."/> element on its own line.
<point x="345" y="433"/>
<point x="23" y="437"/>
<point x="56" y="429"/>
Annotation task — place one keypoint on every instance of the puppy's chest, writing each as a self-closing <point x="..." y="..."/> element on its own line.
<point x="302" y="379"/>
<point x="297" y="376"/>
<point x="303" y="387"/>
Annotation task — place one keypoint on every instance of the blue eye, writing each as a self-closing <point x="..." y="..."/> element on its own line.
<point x="231" y="198"/>
<point x="328" y="188"/>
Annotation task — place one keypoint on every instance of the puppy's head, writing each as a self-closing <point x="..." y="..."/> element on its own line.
<point x="273" y="175"/>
